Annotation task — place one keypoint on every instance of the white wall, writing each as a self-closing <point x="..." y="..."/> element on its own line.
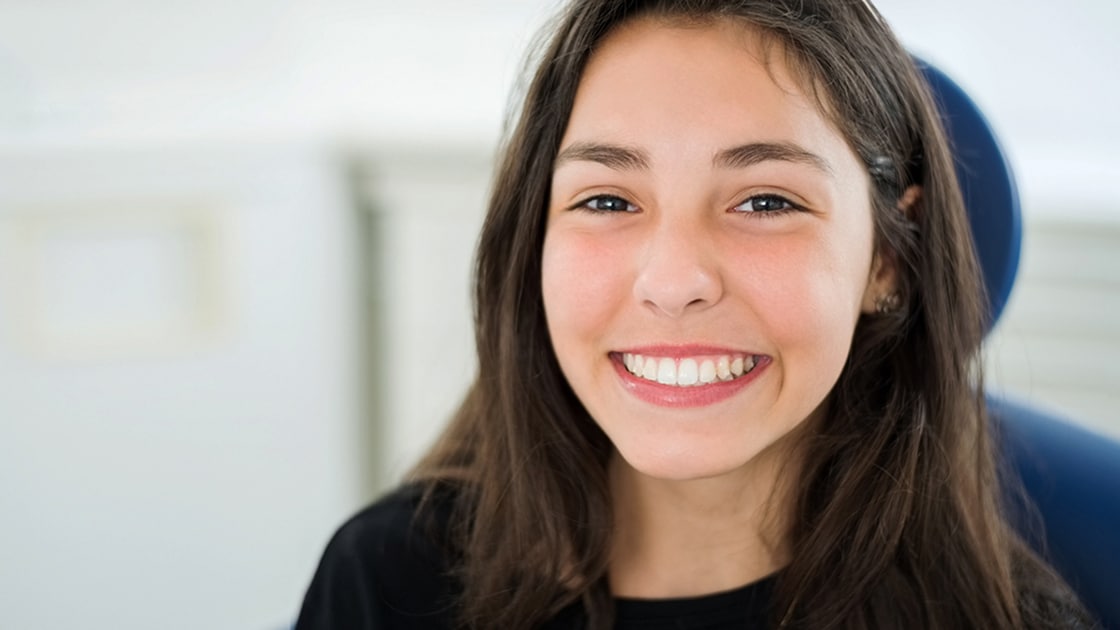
<point x="129" y="70"/>
<point x="193" y="461"/>
<point x="179" y="384"/>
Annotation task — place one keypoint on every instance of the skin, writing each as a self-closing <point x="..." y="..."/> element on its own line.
<point x="654" y="245"/>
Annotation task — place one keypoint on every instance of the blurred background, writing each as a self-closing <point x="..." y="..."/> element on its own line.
<point x="235" y="240"/>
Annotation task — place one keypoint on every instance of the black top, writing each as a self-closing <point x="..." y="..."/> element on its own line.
<point x="382" y="571"/>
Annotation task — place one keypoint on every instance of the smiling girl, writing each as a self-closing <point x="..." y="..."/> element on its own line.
<point x="727" y="320"/>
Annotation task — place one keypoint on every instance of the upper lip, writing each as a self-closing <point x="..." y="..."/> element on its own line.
<point x="681" y="351"/>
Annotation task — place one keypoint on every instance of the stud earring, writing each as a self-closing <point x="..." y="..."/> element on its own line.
<point x="887" y="303"/>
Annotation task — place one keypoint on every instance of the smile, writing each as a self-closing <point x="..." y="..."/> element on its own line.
<point x="689" y="371"/>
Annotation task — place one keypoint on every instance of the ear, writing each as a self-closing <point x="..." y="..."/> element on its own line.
<point x="882" y="283"/>
<point x="883" y="280"/>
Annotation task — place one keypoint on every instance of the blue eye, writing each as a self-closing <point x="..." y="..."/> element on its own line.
<point x="765" y="204"/>
<point x="607" y="203"/>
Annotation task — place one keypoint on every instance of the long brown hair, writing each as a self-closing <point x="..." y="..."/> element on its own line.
<point x="897" y="518"/>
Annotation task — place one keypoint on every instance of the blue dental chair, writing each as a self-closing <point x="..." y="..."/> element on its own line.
<point x="1072" y="476"/>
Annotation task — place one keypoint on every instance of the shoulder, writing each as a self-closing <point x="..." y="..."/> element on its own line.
<point x="395" y="529"/>
<point x="1046" y="602"/>
<point x="386" y="567"/>
<point x="1052" y="609"/>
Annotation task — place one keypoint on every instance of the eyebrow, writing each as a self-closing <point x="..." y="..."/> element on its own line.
<point x="612" y="156"/>
<point x="624" y="158"/>
<point x="750" y="154"/>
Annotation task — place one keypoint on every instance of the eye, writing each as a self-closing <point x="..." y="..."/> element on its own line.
<point x="766" y="204"/>
<point x="606" y="204"/>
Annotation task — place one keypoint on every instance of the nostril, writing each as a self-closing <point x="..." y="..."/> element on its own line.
<point x="675" y="290"/>
<point x="678" y="270"/>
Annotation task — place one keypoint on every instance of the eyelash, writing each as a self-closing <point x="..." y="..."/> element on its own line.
<point x="586" y="204"/>
<point x="788" y="206"/>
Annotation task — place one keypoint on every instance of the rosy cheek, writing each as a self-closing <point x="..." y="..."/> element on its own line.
<point x="795" y="286"/>
<point x="581" y="281"/>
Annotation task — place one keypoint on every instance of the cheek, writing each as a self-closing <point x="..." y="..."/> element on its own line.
<point x="808" y="294"/>
<point x="582" y="285"/>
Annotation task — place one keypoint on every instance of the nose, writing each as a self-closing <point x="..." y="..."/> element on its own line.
<point x="678" y="272"/>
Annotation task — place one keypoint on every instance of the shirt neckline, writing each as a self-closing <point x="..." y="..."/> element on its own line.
<point x="749" y="600"/>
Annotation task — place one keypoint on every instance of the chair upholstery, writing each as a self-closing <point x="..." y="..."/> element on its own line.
<point x="1071" y="476"/>
<point x="1073" y="479"/>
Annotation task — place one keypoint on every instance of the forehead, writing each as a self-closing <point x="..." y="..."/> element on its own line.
<point x="703" y="38"/>
<point x="719" y="81"/>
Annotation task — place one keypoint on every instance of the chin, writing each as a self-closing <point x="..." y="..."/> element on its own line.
<point x="673" y="463"/>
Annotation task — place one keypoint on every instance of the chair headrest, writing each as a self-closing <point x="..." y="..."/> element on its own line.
<point x="990" y="195"/>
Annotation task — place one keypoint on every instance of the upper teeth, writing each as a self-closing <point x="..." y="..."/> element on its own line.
<point x="688" y="372"/>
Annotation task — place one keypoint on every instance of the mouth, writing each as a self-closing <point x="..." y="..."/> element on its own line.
<point x="679" y="377"/>
<point x="695" y="371"/>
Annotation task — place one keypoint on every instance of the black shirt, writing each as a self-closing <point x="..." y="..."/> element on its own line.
<point x="382" y="570"/>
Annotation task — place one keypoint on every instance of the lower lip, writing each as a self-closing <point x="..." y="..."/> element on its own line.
<point x="682" y="397"/>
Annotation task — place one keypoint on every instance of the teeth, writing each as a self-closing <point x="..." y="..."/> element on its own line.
<point x="690" y="371"/>
<point x="667" y="372"/>
<point x="723" y="368"/>
<point x="707" y="372"/>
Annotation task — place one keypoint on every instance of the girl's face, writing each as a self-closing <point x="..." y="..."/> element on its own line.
<point x="708" y="249"/>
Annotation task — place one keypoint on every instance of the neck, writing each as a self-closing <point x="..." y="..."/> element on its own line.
<point x="687" y="538"/>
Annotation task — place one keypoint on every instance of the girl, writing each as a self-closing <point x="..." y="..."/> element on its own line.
<point x="727" y="321"/>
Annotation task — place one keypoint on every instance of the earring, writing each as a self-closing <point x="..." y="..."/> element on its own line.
<point x="887" y="303"/>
